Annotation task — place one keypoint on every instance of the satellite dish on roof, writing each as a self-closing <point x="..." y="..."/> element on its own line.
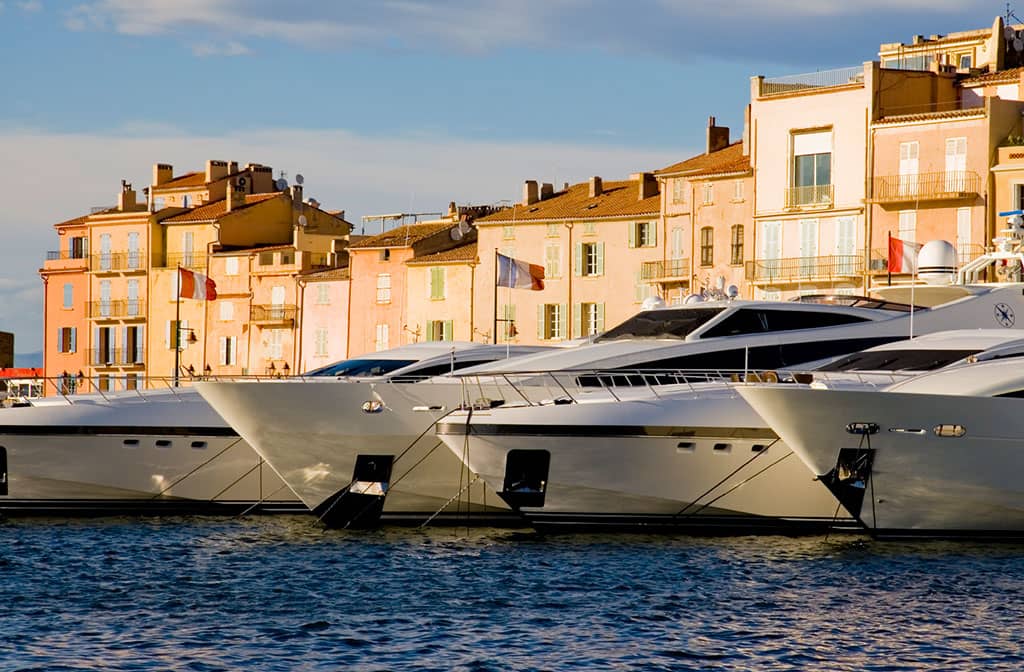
<point x="299" y="179"/>
<point x="1009" y="32"/>
<point x="302" y="221"/>
<point x="281" y="184"/>
<point x="456" y="233"/>
<point x="1018" y="45"/>
<point x="465" y="227"/>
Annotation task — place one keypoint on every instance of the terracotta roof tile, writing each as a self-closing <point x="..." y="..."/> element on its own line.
<point x="325" y="275"/>
<point x="403" y="236"/>
<point x="193" y="179"/>
<point x="933" y="116"/>
<point x="1010" y="75"/>
<point x="463" y="253"/>
<point x="217" y="209"/>
<point x="728" y="160"/>
<point x="617" y="199"/>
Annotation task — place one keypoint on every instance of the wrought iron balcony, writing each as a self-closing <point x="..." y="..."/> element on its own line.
<point x="817" y="196"/>
<point x="193" y="260"/>
<point x="117" y="309"/>
<point x="117" y="262"/>
<point x="792" y="269"/>
<point x="273" y="314"/>
<point x="809" y="82"/>
<point x="654" y="271"/>
<point x="941" y="185"/>
<point x="105" y="357"/>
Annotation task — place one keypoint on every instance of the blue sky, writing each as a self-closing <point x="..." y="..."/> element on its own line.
<point x="393" y="105"/>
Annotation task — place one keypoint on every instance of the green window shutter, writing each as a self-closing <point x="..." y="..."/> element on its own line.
<point x="577" y="260"/>
<point x="632" y="233"/>
<point x="430" y="330"/>
<point x="600" y="259"/>
<point x="448" y="326"/>
<point x="541" y="331"/>
<point x="577" y="320"/>
<point x="600" y="317"/>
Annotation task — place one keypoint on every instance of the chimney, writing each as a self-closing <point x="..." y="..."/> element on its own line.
<point x="296" y="194"/>
<point x="162" y="172"/>
<point x="547" y="190"/>
<point x="565" y="186"/>
<point x="216" y="170"/>
<point x="232" y="167"/>
<point x="452" y="209"/>
<point x="126" y="199"/>
<point x="595" y="186"/>
<point x="530" y="192"/>
<point x="235" y="195"/>
<point x="746" y="131"/>
<point x="648" y="185"/>
<point x="718" y="136"/>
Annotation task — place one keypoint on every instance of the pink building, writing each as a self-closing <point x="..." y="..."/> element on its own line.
<point x="323" y="329"/>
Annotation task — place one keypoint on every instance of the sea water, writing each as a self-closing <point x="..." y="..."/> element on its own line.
<point x="280" y="593"/>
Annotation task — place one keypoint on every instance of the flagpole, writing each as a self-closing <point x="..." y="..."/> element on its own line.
<point x="494" y="332"/>
<point x="913" y="283"/>
<point x="889" y="253"/>
<point x="177" y="323"/>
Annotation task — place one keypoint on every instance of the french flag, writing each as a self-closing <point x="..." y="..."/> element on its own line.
<point x="903" y="255"/>
<point x="192" y="285"/>
<point x="519" y="274"/>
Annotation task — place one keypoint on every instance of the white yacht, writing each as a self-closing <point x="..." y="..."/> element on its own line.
<point x="936" y="455"/>
<point x="153" y="451"/>
<point x="337" y="441"/>
<point x="689" y="456"/>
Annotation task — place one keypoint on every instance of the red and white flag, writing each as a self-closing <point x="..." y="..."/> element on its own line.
<point x="192" y="285"/>
<point x="903" y="255"/>
<point x="519" y="274"/>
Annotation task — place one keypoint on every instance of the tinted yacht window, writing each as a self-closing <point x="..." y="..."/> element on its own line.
<point x="361" y="367"/>
<point x="668" y="323"/>
<point x="761" y="320"/>
<point x="441" y="369"/>
<point x="897" y="360"/>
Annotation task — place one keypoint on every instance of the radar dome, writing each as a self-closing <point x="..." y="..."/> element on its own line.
<point x="694" y="298"/>
<point x="653" y="303"/>
<point x="936" y="262"/>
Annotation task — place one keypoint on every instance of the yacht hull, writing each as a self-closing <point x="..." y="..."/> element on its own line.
<point x="314" y="435"/>
<point x="917" y="481"/>
<point x="698" y="462"/>
<point x="154" y="456"/>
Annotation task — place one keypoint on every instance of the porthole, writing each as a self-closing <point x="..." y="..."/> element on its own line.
<point x="686" y="447"/>
<point x="163" y="443"/>
<point x="131" y="443"/>
<point x="723" y="447"/>
<point x="952" y="431"/>
<point x="757" y="448"/>
<point x="199" y="444"/>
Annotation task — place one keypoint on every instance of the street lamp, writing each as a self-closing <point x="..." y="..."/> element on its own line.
<point x="191" y="338"/>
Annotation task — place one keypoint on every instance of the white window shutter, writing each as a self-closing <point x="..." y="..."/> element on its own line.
<point x="632" y="233"/>
<point x="223" y="342"/>
<point x="600" y="317"/>
<point x="577" y="261"/>
<point x="74" y="339"/>
<point x="600" y="259"/>
<point x="140" y="341"/>
<point x="541" y="331"/>
<point x="577" y="320"/>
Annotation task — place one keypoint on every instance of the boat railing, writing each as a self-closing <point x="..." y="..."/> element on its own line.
<point x="75" y="386"/>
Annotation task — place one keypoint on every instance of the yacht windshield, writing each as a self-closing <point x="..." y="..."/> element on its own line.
<point x="667" y="323"/>
<point x="361" y="368"/>
<point x="897" y="360"/>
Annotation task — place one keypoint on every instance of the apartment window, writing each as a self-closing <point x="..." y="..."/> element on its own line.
<point x="707" y="193"/>
<point x="437" y="283"/>
<point x="266" y="259"/>
<point x="187" y="247"/>
<point x="553" y="231"/>
<point x="508" y="232"/>
<point x="439" y="330"/>
<point x="812" y="168"/>
<point x="956" y="164"/>
<point x="69" y="295"/>
<point x="159" y="203"/>
<point x="589" y="259"/>
<point x="103" y="345"/>
<point x="385" y="255"/>
<point x="275" y="343"/>
<point x="641" y="288"/>
<point x="67" y="339"/>
<point x="678" y="190"/>
<point x="323" y="294"/>
<point x="105" y="253"/>
<point x="552" y="260"/>
<point x="134" y="307"/>
<point x="227" y="311"/>
<point x="133" y="250"/>
<point x="506" y="325"/>
<point x="808" y="245"/>
<point x="383" y="288"/>
<point x="105" y="301"/>
<point x="231" y="266"/>
<point x="589" y="228"/>
<point x="228" y="350"/>
<point x="908" y="226"/>
<point x="186" y="201"/>
<point x="736" y="245"/>
<point x="381" y="342"/>
<point x="678" y="242"/>
<point x="643" y="234"/>
<point x="550" y="319"/>
<point x="78" y="247"/>
<point x="133" y="345"/>
<point x="176" y="334"/>
<point x="737" y="190"/>
<point x="288" y="257"/>
<point x="591" y="318"/>
<point x="321" y="343"/>
<point x="707" y="246"/>
<point x="846" y="245"/>
<point x="965" y="62"/>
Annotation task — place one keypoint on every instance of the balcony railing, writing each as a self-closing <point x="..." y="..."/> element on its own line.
<point x="192" y="260"/>
<point x="817" y="195"/>
<point x="776" y="86"/>
<point x="117" y="309"/>
<point x="118" y="262"/>
<point x="272" y="313"/>
<point x="792" y="269"/>
<point x="965" y="252"/>
<point x="935" y="186"/>
<point x="114" y="357"/>
<point x="652" y="271"/>
<point x="63" y="255"/>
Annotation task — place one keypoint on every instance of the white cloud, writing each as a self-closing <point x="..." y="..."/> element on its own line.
<point x="231" y="48"/>
<point x="31" y="6"/>
<point x="50" y="177"/>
